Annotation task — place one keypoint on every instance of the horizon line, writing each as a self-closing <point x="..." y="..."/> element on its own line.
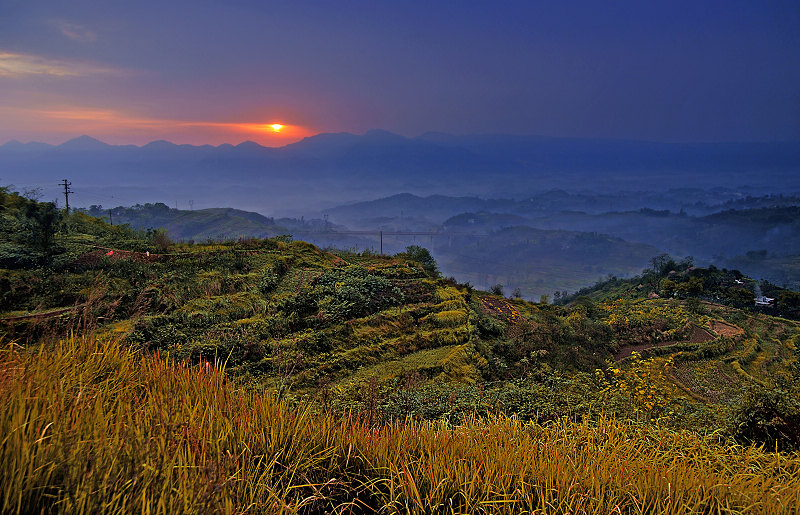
<point x="419" y="136"/>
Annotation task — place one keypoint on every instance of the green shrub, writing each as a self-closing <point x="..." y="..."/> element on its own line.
<point x="770" y="417"/>
<point x="269" y="280"/>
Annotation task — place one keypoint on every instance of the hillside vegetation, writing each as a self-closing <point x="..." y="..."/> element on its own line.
<point x="118" y="432"/>
<point x="552" y="241"/>
<point x="199" y="225"/>
<point x="270" y="375"/>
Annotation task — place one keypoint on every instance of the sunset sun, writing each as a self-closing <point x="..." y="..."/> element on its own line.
<point x="276" y="127"/>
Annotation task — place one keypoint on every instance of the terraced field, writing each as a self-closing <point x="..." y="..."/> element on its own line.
<point x="754" y="350"/>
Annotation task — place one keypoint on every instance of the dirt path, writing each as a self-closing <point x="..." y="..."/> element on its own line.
<point x="42" y="314"/>
<point x="626" y="350"/>
<point x="697" y="335"/>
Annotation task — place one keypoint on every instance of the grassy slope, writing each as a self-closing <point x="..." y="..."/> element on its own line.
<point x="120" y="433"/>
<point x="265" y="307"/>
<point x="200" y="225"/>
<point x="333" y="334"/>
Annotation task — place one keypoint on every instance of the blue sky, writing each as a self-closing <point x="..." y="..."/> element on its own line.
<point x="205" y="71"/>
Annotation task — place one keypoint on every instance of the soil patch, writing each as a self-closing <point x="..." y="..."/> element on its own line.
<point x="725" y="329"/>
<point x="700" y="335"/>
<point x="501" y="308"/>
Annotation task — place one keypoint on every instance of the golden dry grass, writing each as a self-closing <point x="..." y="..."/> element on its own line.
<point x="89" y="426"/>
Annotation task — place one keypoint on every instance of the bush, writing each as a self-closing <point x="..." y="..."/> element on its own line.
<point x="268" y="282"/>
<point x="422" y="256"/>
<point x="768" y="417"/>
<point x="161" y="240"/>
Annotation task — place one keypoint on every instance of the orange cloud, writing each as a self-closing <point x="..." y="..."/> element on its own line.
<point x="14" y="65"/>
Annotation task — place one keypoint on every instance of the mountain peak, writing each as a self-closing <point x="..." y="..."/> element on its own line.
<point x="83" y="143"/>
<point x="323" y="144"/>
<point x="159" y="143"/>
<point x="249" y="145"/>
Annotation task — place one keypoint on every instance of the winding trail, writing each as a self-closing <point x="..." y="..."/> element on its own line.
<point x="698" y="335"/>
<point x="41" y="315"/>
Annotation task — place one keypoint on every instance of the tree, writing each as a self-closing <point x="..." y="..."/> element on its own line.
<point x="789" y="301"/>
<point x="422" y="256"/>
<point x="668" y="287"/>
<point x="739" y="297"/>
<point x="45" y="218"/>
<point x="161" y="240"/>
<point x="662" y="264"/>
<point x="694" y="286"/>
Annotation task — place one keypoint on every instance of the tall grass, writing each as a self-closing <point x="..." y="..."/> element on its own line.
<point x="88" y="426"/>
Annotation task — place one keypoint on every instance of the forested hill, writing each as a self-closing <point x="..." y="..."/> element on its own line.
<point x="197" y="225"/>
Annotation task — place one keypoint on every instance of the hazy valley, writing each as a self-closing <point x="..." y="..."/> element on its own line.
<point x="554" y="241"/>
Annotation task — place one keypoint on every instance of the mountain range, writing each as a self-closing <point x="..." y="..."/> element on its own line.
<point x="333" y="168"/>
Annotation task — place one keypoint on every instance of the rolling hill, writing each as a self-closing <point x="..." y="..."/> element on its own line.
<point x="270" y="371"/>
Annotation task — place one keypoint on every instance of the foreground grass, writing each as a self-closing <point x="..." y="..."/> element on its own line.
<point x="88" y="426"/>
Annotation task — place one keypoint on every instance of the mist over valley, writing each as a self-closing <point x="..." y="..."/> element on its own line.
<point x="534" y="214"/>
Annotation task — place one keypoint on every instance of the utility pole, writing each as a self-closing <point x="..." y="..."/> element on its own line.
<point x="67" y="191"/>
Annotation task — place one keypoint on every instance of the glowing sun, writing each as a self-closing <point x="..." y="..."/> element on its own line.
<point x="276" y="127"/>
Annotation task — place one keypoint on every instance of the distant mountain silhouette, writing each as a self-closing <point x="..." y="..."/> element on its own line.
<point x="330" y="169"/>
<point x="160" y="145"/>
<point x="84" y="143"/>
<point x="17" y="146"/>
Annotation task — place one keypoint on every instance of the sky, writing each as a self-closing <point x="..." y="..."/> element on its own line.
<point x="224" y="71"/>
